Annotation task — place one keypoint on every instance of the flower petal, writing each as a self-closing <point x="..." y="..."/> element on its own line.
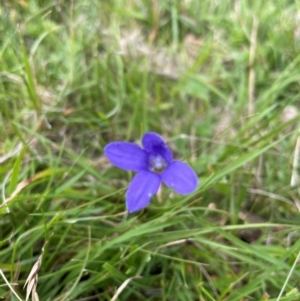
<point x="154" y="144"/>
<point x="180" y="177"/>
<point x="126" y="155"/>
<point x="143" y="186"/>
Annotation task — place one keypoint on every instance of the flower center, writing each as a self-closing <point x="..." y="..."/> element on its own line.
<point x="157" y="163"/>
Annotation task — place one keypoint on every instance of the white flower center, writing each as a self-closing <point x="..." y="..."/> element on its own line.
<point x="157" y="163"/>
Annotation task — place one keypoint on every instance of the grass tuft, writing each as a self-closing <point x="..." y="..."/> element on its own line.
<point x="219" y="80"/>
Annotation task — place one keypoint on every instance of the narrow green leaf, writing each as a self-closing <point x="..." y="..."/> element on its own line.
<point x="29" y="79"/>
<point x="70" y="182"/>
<point x="16" y="170"/>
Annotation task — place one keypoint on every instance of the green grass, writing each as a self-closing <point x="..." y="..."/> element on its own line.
<point x="76" y="75"/>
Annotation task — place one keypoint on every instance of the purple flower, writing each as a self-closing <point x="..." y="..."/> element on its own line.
<point x="154" y="164"/>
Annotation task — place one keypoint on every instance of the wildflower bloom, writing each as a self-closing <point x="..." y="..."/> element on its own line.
<point x="154" y="164"/>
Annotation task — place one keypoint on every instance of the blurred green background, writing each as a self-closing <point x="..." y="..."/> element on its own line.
<point x="219" y="80"/>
